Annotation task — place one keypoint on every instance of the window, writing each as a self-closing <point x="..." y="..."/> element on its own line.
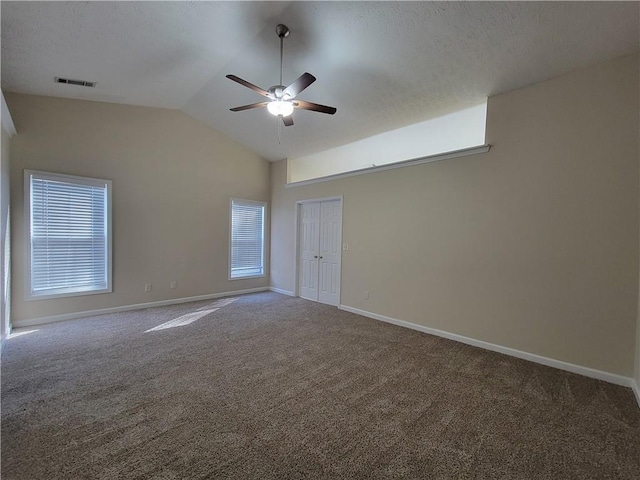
<point x="69" y="234"/>
<point x="247" y="239"/>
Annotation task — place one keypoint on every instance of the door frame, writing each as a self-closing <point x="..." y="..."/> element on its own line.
<point x="298" y="210"/>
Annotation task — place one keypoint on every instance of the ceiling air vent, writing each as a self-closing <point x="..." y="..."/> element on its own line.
<point x="69" y="81"/>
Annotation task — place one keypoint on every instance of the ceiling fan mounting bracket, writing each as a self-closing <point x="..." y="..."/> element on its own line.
<point x="282" y="30"/>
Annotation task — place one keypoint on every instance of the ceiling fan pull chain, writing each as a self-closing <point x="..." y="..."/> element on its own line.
<point x="279" y="129"/>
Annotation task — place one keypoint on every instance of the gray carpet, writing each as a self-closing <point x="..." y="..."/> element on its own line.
<point x="274" y="387"/>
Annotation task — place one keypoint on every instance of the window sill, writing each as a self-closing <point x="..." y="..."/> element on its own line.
<point x="51" y="296"/>
<point x="248" y="277"/>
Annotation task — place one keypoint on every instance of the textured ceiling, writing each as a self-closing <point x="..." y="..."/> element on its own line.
<point x="382" y="64"/>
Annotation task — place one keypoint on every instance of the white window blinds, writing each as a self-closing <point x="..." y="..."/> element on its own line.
<point x="247" y="239"/>
<point x="69" y="235"/>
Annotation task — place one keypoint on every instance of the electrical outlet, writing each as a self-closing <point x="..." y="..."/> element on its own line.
<point x="366" y="295"/>
<point x="345" y="246"/>
<point x="173" y="284"/>
<point x="147" y="287"/>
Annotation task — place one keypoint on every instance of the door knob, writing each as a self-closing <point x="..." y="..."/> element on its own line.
<point x="316" y="256"/>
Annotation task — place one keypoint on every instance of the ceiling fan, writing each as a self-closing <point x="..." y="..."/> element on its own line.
<point x="282" y="101"/>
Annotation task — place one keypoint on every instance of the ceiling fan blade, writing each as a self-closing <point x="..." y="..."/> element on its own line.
<point x="314" y="107"/>
<point x="298" y="85"/>
<point x="253" y="87"/>
<point x="249" y="107"/>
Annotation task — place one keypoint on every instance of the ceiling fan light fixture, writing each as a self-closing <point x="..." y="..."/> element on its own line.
<point x="280" y="108"/>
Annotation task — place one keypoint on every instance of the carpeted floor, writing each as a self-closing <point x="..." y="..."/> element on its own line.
<point x="274" y="387"/>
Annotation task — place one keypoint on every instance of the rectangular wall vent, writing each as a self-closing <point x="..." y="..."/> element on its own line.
<point x="70" y="81"/>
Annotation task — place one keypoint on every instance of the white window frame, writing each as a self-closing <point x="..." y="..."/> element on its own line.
<point x="27" y="219"/>
<point x="264" y="223"/>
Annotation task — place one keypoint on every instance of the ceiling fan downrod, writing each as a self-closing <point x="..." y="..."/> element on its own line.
<point x="283" y="32"/>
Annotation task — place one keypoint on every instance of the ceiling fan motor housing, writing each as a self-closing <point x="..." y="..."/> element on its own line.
<point x="278" y="92"/>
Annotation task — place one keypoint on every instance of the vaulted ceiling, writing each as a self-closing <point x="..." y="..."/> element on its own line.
<point x="384" y="65"/>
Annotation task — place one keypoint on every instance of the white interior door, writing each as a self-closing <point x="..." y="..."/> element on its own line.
<point x="309" y="239"/>
<point x="320" y="239"/>
<point x="330" y="247"/>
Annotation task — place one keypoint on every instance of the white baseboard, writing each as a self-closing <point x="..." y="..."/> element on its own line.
<point x="125" y="308"/>
<point x="283" y="292"/>
<point x="550" y="362"/>
<point x="636" y="389"/>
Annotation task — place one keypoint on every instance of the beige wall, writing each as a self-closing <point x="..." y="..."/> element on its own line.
<point x="637" y="368"/>
<point x="5" y="241"/>
<point x="532" y="246"/>
<point x="172" y="179"/>
<point x="637" y="372"/>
